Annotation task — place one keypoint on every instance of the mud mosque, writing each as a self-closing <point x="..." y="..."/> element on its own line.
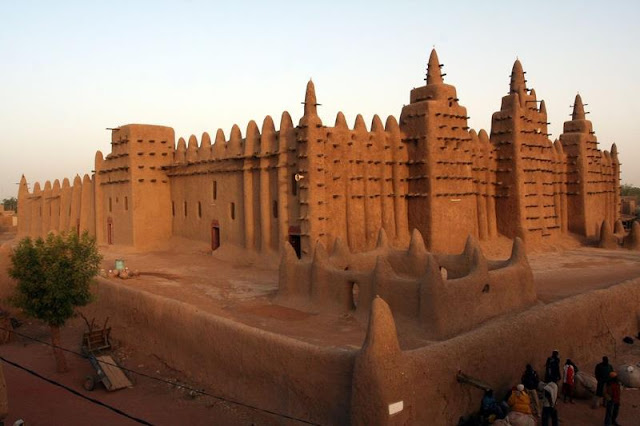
<point x="302" y="184"/>
<point x="378" y="224"/>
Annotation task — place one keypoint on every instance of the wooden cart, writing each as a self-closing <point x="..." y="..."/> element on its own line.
<point x="108" y="373"/>
<point x="95" y="344"/>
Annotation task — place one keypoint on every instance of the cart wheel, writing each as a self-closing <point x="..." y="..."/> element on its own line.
<point x="89" y="383"/>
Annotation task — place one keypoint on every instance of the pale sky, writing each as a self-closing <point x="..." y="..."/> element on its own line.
<point x="70" y="69"/>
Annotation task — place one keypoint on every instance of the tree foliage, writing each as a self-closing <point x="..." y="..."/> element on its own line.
<point x="54" y="275"/>
<point x="10" y="204"/>
<point x="627" y="189"/>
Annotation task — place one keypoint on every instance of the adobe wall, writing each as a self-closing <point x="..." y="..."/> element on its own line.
<point x="56" y="208"/>
<point x="242" y="186"/>
<point x="411" y="282"/>
<point x="232" y="360"/>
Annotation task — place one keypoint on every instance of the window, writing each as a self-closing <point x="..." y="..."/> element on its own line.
<point x="110" y="205"/>
<point x="294" y="185"/>
<point x="126" y="203"/>
<point x="199" y="209"/>
<point x="233" y="211"/>
<point x="185" y="209"/>
<point x="275" y="209"/>
<point x="173" y="208"/>
<point x="215" y="190"/>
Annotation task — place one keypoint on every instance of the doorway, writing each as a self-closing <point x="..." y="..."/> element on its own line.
<point x="109" y="231"/>
<point x="215" y="235"/>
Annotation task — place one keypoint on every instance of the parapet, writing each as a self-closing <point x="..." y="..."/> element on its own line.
<point x="446" y="294"/>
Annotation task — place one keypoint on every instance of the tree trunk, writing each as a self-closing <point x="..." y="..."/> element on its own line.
<point x="61" y="362"/>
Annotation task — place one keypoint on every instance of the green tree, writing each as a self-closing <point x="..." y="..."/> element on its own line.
<point x="53" y="277"/>
<point x="10" y="204"/>
<point x="627" y="189"/>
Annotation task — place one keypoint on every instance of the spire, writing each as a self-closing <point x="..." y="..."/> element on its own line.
<point x="517" y="77"/>
<point x="578" y="109"/>
<point x="433" y="69"/>
<point x="310" y="102"/>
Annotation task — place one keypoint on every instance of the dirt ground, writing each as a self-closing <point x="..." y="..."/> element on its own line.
<point x="242" y="288"/>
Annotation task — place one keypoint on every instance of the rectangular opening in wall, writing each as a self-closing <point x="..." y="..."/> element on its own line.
<point x="110" y="205"/>
<point x="215" y="235"/>
<point x="215" y="190"/>
<point x="173" y="208"/>
<point x="233" y="211"/>
<point x="185" y="209"/>
<point x="275" y="209"/>
<point x="199" y="209"/>
<point x="126" y="203"/>
<point x="294" y="185"/>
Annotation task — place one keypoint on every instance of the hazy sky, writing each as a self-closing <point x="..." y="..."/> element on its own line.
<point x="70" y="69"/>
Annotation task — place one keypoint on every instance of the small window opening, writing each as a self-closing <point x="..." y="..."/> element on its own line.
<point x="215" y="190"/>
<point x="233" y="211"/>
<point x="185" y="209"/>
<point x="443" y="273"/>
<point x="173" y="208"/>
<point x="110" y="205"/>
<point x="355" y="294"/>
<point x="199" y="209"/>
<point x="275" y="209"/>
<point x="126" y="203"/>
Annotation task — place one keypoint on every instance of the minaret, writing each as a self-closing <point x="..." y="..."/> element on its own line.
<point x="310" y="142"/>
<point x="589" y="187"/>
<point x="440" y="178"/>
<point x="527" y="192"/>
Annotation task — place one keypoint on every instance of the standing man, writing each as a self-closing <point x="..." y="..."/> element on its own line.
<point x="549" y="399"/>
<point x="612" y="398"/>
<point x="602" y="376"/>
<point x="552" y="368"/>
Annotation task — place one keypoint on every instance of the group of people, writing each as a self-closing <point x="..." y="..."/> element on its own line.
<point x="534" y="398"/>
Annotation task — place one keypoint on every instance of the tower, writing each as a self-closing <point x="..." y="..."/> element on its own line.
<point x="592" y="180"/>
<point x="132" y="192"/>
<point x="528" y="198"/>
<point x="441" y="195"/>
